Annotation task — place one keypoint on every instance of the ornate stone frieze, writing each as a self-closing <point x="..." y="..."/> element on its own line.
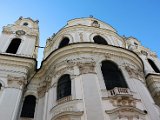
<point x="85" y="65"/>
<point x="86" y="68"/>
<point x="16" y="82"/>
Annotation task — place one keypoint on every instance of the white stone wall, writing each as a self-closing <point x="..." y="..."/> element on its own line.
<point x="82" y="60"/>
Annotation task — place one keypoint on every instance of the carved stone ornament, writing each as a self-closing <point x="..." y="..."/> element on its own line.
<point x="84" y="64"/>
<point x="81" y="37"/>
<point x="86" y="68"/>
<point x="126" y="113"/>
<point x="16" y="82"/>
<point x="144" y="52"/>
<point x="95" y="24"/>
<point x="20" y="32"/>
<point x="43" y="87"/>
<point x="134" y="73"/>
<point x="108" y="55"/>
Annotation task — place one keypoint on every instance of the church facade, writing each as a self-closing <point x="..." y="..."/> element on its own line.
<point x="88" y="72"/>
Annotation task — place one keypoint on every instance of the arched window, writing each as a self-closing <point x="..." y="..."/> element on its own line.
<point x="13" y="47"/>
<point x="153" y="66"/>
<point x="100" y="40"/>
<point x="112" y="75"/>
<point x="64" y="42"/>
<point x="64" y="86"/>
<point x="28" y="108"/>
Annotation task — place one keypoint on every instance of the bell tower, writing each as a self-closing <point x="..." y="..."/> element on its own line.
<point x="18" y="53"/>
<point x="20" y="38"/>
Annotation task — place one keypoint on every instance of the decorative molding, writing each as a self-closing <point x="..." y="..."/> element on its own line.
<point x="134" y="72"/>
<point x="128" y="113"/>
<point x="81" y="37"/>
<point x="20" y="32"/>
<point x="43" y="88"/>
<point x="95" y="24"/>
<point x="67" y="108"/>
<point x="121" y="97"/>
<point x="16" y="82"/>
<point x="68" y="115"/>
<point x="64" y="99"/>
<point x="86" y="68"/>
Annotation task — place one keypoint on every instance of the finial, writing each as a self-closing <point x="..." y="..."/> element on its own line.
<point x="91" y="16"/>
<point x="37" y="21"/>
<point x="20" y="18"/>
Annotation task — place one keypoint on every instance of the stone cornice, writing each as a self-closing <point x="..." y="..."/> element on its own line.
<point x="91" y="48"/>
<point x="17" y="60"/>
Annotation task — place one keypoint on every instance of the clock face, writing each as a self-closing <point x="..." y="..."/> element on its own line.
<point x="20" y="32"/>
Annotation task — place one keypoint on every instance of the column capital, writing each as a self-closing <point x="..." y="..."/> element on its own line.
<point x="16" y="82"/>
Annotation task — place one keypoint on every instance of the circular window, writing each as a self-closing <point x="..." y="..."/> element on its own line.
<point x="25" y="24"/>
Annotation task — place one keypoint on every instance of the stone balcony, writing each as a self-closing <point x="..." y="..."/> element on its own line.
<point x="119" y="91"/>
<point x="64" y="99"/>
<point x="121" y="97"/>
<point x="67" y="107"/>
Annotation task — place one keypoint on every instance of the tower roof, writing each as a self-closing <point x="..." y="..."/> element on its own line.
<point x="90" y="21"/>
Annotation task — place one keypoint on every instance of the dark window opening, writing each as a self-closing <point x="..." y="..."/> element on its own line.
<point x="64" y="86"/>
<point x="0" y="86"/>
<point x="112" y="75"/>
<point x="153" y="66"/>
<point x="28" y="108"/>
<point x="135" y="43"/>
<point x="25" y="24"/>
<point x="100" y="40"/>
<point x="13" y="47"/>
<point x="64" y="42"/>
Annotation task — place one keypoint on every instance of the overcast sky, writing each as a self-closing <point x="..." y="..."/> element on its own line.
<point x="137" y="18"/>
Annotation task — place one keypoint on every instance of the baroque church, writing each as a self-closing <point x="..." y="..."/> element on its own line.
<point x="88" y="72"/>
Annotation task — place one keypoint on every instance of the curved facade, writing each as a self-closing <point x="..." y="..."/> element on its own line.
<point x="88" y="72"/>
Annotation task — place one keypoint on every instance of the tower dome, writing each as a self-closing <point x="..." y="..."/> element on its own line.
<point x="84" y="30"/>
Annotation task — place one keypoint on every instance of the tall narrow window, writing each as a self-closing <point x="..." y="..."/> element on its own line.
<point x="64" y="42"/>
<point x="64" y="86"/>
<point x="13" y="47"/>
<point x="100" y="40"/>
<point x="112" y="75"/>
<point x="153" y="66"/>
<point x="28" y="108"/>
<point x="0" y="86"/>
